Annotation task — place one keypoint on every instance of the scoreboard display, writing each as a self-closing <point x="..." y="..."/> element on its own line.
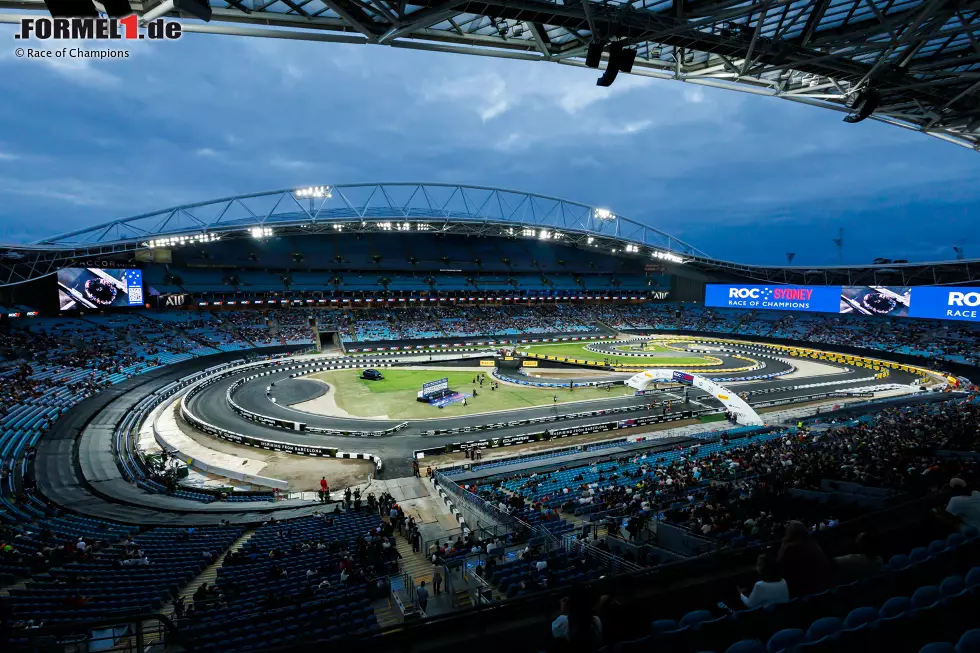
<point x="99" y="288"/>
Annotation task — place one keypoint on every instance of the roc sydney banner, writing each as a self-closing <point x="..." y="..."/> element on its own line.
<point x="818" y="299"/>
<point x="936" y="302"/>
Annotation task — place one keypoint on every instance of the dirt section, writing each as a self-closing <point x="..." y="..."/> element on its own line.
<point x="326" y="404"/>
<point x="531" y="447"/>
<point x="301" y="472"/>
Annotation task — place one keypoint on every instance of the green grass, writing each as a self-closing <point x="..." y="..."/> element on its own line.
<point x="395" y="396"/>
<point x="577" y="350"/>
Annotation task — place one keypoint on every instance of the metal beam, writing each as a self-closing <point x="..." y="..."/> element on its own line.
<point x="421" y="19"/>
<point x="359" y="23"/>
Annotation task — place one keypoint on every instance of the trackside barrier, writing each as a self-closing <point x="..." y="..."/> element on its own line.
<point x="130" y="426"/>
<point x="549" y="434"/>
<point x="539" y="420"/>
<point x="196" y="463"/>
<point x="481" y="343"/>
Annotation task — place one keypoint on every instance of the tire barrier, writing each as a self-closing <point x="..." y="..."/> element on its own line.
<point x="549" y="434"/>
<point x="480" y="343"/>
<point x="307" y="368"/>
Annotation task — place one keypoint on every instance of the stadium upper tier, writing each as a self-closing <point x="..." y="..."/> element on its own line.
<point x="911" y="64"/>
<point x="416" y="228"/>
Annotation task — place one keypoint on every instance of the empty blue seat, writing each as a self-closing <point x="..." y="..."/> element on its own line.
<point x="937" y="546"/>
<point x="937" y="647"/>
<point x="694" y="618"/>
<point x="663" y="625"/>
<point x="951" y="586"/>
<point x="969" y="642"/>
<point x="898" y="561"/>
<point x="824" y="627"/>
<point x="747" y="646"/>
<point x="973" y="577"/>
<point x="636" y="645"/>
<point x="894" y="606"/>
<point x="860" y="616"/>
<point x="925" y="596"/>
<point x="784" y="639"/>
<point x="955" y="540"/>
<point x="918" y="554"/>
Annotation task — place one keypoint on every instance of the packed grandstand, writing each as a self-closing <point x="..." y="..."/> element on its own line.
<point x="193" y="460"/>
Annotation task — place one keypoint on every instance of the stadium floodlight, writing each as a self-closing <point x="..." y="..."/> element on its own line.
<point x="260" y="232"/>
<point x="314" y="192"/>
<point x="632" y="249"/>
<point x="338" y="227"/>
<point x="531" y="233"/>
<point x="590" y="240"/>
<point x="544" y="235"/>
<point x="603" y="214"/>
<point x="176" y="241"/>
<point x="667" y="256"/>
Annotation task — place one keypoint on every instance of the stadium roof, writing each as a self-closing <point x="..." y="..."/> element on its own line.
<point x="916" y="61"/>
<point x="431" y="209"/>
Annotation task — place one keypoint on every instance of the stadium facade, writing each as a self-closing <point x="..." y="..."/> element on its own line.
<point x="399" y="241"/>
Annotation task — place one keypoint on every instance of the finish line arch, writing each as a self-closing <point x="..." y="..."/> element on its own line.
<point x="732" y="402"/>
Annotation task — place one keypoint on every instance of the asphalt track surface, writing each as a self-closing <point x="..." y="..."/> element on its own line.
<point x="295" y="391"/>
<point x="396" y="449"/>
<point x="88" y="427"/>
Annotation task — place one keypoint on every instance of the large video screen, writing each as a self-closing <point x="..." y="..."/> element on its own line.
<point x="942" y="303"/>
<point x="97" y="288"/>
<point x="817" y="299"/>
<point x="947" y="303"/>
<point x="875" y="300"/>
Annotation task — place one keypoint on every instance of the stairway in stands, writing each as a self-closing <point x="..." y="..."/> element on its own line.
<point x="209" y="575"/>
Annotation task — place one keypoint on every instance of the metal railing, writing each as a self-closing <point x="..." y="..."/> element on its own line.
<point x="134" y="634"/>
<point x="476" y="503"/>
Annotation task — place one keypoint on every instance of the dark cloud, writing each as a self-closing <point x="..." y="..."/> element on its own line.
<point x="742" y="177"/>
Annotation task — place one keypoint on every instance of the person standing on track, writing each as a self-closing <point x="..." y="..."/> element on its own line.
<point x="324" y="490"/>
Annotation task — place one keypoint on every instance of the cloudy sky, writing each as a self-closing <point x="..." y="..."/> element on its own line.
<point x="739" y="176"/>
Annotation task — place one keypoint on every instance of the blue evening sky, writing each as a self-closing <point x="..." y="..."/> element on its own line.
<point x="742" y="177"/>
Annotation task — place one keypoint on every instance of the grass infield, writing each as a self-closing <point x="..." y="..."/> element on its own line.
<point x="395" y="396"/>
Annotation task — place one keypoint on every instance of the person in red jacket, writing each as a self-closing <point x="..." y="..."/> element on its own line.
<point x="324" y="490"/>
